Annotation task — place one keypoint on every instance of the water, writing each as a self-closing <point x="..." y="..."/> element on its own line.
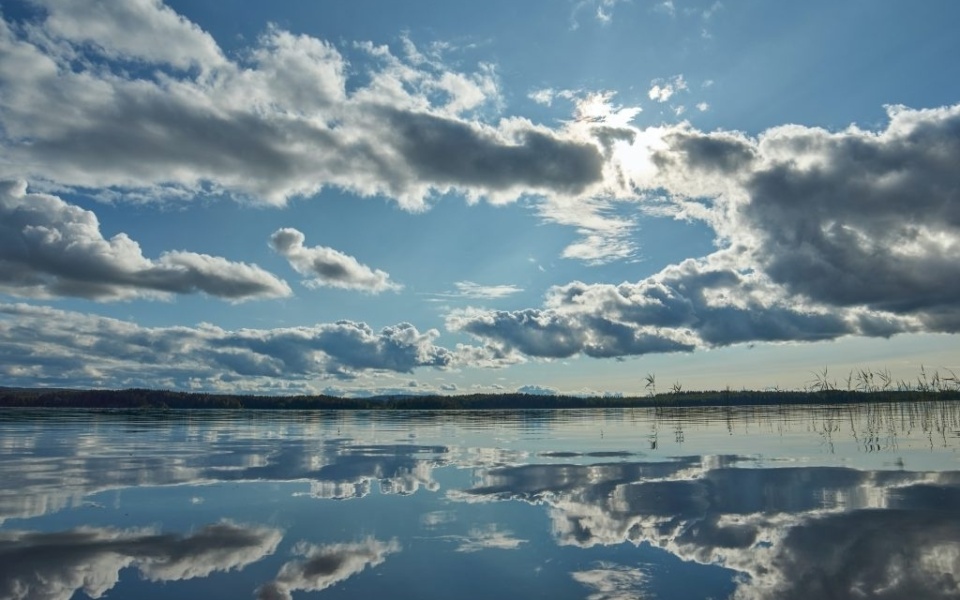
<point x="761" y="502"/>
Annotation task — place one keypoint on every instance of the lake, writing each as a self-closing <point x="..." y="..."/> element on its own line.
<point x="853" y="501"/>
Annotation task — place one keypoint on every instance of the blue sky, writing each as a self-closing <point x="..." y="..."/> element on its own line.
<point x="368" y="196"/>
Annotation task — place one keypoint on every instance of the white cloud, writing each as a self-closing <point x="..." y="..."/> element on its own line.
<point x="328" y="267"/>
<point x="46" y="345"/>
<point x="598" y="108"/>
<point x="138" y="30"/>
<point x="543" y="96"/>
<point x="662" y="90"/>
<point x="602" y="11"/>
<point x="279" y="124"/>
<point x="51" y="248"/>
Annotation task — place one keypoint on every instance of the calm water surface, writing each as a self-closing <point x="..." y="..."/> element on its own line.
<point x="815" y="502"/>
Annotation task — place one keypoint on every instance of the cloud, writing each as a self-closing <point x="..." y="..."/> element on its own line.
<point x="138" y="30"/>
<point x="90" y="559"/>
<point x="469" y="289"/>
<point x="277" y="123"/>
<point x="328" y="267"/>
<point x="694" y="304"/>
<point x="42" y="344"/>
<point x="848" y="219"/>
<point x="602" y="11"/>
<point x="452" y="153"/>
<point x="323" y="566"/>
<point x="821" y="234"/>
<point x="662" y="90"/>
<point x="51" y="248"/>
<point x="543" y="96"/>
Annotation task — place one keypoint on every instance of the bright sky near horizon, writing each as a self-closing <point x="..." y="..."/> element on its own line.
<point x="447" y="197"/>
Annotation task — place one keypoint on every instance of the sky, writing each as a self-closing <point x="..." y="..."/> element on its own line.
<point x="426" y="197"/>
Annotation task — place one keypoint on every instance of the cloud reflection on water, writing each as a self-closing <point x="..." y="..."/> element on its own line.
<point x="323" y="566"/>
<point x="793" y="532"/>
<point x="807" y="524"/>
<point x="52" y="566"/>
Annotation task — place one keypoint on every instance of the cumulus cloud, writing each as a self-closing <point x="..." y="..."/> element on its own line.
<point x="821" y="234"/>
<point x="323" y="566"/>
<point x="328" y="267"/>
<point x="276" y="124"/>
<point x="41" y="344"/>
<point x="90" y="559"/>
<point x="138" y="30"/>
<point x="51" y="248"/>
<point x="842" y="219"/>
<point x="694" y="304"/>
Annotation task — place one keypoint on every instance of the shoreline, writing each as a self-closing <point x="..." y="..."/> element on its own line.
<point x="149" y="399"/>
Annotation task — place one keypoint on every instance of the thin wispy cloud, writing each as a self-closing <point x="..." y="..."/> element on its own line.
<point x="471" y="290"/>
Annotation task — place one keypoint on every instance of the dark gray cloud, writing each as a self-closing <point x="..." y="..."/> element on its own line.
<point x="323" y="566"/>
<point x="683" y="307"/>
<point x="719" y="152"/>
<point x="851" y="219"/>
<point x="550" y="334"/>
<point x="458" y="153"/>
<point x="864" y="220"/>
<point x="328" y="267"/>
<point x="42" y="345"/>
<point x="49" y="247"/>
<point x="53" y="566"/>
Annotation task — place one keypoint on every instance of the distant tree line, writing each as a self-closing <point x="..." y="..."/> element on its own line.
<point x="173" y="400"/>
